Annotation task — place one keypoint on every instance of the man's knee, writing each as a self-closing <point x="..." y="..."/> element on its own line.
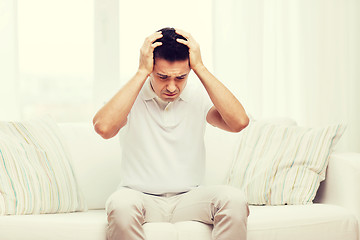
<point x="125" y="210"/>
<point x="125" y="203"/>
<point x="234" y="200"/>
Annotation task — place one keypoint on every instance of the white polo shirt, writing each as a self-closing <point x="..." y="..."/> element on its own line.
<point x="163" y="148"/>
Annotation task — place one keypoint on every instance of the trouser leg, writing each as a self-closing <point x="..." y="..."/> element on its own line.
<point x="126" y="215"/>
<point x="223" y="206"/>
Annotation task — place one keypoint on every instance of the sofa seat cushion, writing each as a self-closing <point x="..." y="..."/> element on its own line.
<point x="298" y="222"/>
<point x="295" y="222"/>
<point x="311" y="222"/>
<point x="89" y="225"/>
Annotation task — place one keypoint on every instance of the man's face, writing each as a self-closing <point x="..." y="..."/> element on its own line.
<point x="168" y="79"/>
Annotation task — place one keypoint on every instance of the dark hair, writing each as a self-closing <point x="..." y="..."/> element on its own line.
<point x="171" y="50"/>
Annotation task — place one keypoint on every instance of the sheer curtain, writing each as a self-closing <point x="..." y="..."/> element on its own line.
<point x="46" y="59"/>
<point x="9" y="101"/>
<point x="298" y="59"/>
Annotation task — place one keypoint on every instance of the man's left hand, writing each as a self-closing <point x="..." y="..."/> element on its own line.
<point x="194" y="49"/>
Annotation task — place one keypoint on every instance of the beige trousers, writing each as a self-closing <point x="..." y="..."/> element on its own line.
<point x="223" y="206"/>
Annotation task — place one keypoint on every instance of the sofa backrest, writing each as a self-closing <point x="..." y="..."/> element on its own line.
<point x="97" y="161"/>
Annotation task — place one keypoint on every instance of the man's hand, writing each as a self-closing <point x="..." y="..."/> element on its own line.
<point x="146" y="62"/>
<point x="194" y="49"/>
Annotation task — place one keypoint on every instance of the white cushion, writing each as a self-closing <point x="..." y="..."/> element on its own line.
<point x="160" y="231"/>
<point x="36" y="172"/>
<point x="282" y="164"/>
<point x="70" y="226"/>
<point x="220" y="148"/>
<point x="310" y="222"/>
<point x="191" y="230"/>
<point x="299" y="222"/>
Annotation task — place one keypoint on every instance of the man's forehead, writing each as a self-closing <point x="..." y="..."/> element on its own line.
<point x="171" y="68"/>
<point x="167" y="74"/>
<point x="160" y="62"/>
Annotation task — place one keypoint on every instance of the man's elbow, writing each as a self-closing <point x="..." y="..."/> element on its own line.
<point x="103" y="130"/>
<point x="242" y="123"/>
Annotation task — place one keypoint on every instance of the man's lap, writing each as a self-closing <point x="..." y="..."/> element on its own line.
<point x="198" y="204"/>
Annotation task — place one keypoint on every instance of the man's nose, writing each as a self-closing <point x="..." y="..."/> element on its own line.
<point x="171" y="87"/>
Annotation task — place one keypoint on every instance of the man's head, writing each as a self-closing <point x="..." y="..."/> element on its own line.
<point x="171" y="50"/>
<point x="171" y="66"/>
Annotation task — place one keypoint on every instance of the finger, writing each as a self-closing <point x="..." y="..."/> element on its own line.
<point x="185" y="42"/>
<point x="183" y="33"/>
<point x="153" y="37"/>
<point x="156" y="44"/>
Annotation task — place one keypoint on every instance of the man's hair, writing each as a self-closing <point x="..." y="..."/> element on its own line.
<point x="171" y="50"/>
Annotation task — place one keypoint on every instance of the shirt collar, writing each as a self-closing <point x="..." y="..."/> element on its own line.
<point x="148" y="93"/>
<point x="186" y="93"/>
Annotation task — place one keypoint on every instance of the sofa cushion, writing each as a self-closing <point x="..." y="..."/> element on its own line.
<point x="191" y="230"/>
<point x="70" y="226"/>
<point x="298" y="222"/>
<point x="282" y="164"/>
<point x="295" y="222"/>
<point x="36" y="172"/>
<point x="310" y="222"/>
<point x="220" y="148"/>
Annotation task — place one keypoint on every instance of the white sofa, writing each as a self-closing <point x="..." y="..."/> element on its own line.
<point x="97" y="162"/>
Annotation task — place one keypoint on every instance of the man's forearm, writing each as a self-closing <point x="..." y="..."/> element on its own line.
<point x="113" y="115"/>
<point x="230" y="109"/>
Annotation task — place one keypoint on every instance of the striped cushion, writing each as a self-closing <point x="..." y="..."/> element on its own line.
<point x="36" y="175"/>
<point x="278" y="164"/>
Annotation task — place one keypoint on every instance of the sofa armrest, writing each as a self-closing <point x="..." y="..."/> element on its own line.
<point x="341" y="186"/>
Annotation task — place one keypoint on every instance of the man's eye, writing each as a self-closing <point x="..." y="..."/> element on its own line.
<point x="163" y="77"/>
<point x="180" y="78"/>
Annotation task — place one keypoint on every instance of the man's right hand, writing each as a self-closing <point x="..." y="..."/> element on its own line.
<point x="146" y="63"/>
<point x="113" y="115"/>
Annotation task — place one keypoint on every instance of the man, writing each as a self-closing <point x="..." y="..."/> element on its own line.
<point x="163" y="163"/>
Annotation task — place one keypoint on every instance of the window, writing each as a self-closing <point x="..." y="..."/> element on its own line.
<point x="73" y="55"/>
<point x="55" y="54"/>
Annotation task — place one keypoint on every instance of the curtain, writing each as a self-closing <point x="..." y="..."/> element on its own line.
<point x="297" y="59"/>
<point x="9" y="95"/>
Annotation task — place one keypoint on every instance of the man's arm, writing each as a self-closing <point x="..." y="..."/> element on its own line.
<point x="113" y="115"/>
<point x="227" y="112"/>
